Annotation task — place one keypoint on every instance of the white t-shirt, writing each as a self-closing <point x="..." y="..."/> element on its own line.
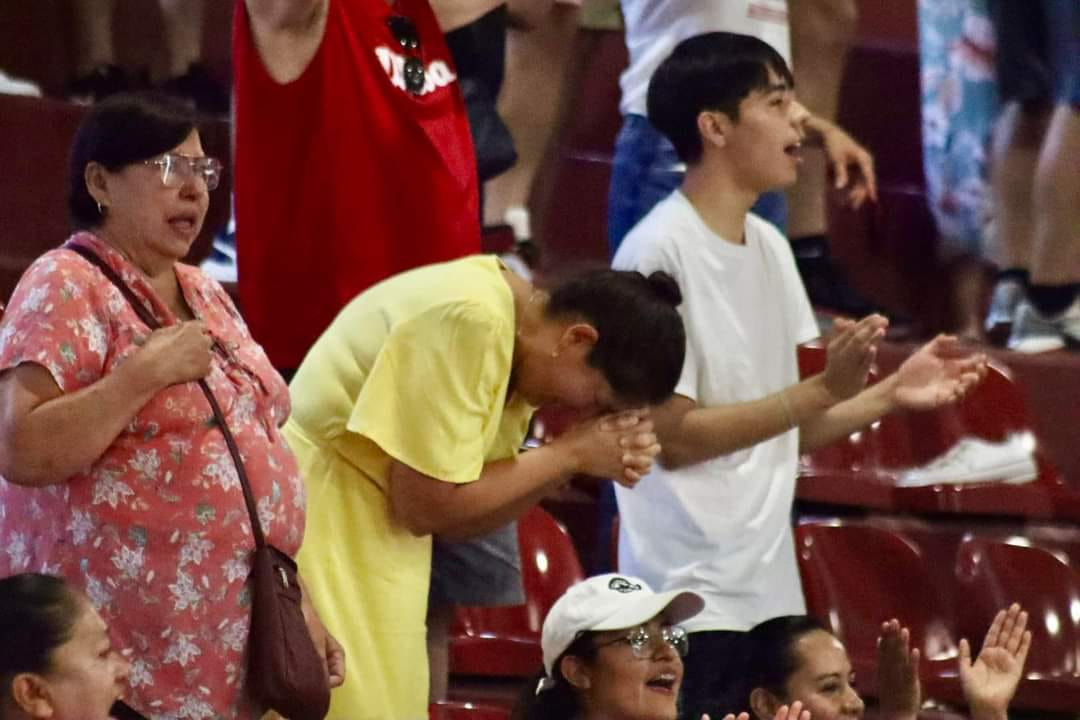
<point x="722" y="527"/>
<point x="655" y="27"/>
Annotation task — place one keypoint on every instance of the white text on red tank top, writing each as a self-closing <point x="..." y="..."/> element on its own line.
<point x="436" y="75"/>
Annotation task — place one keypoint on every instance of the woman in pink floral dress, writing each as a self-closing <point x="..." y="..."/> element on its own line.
<point x="114" y="475"/>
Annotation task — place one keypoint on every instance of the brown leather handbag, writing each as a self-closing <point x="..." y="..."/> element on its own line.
<point x="285" y="672"/>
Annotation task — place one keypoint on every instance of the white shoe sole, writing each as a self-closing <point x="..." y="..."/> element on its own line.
<point x="1036" y="345"/>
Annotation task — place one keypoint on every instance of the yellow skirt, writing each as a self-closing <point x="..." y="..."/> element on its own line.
<point x="368" y="579"/>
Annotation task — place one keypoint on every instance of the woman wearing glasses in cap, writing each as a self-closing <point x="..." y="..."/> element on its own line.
<point x="112" y="475"/>
<point x="613" y="650"/>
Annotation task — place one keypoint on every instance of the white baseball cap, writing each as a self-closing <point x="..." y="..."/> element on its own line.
<point x="609" y="602"/>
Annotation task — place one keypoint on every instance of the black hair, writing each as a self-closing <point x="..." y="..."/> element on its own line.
<point x="560" y="701"/>
<point x="642" y="341"/>
<point x="121" y="130"/>
<point x="37" y="615"/>
<point x="771" y="659"/>
<point x="713" y="71"/>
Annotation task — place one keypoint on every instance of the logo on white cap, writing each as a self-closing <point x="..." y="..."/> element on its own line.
<point x="621" y="584"/>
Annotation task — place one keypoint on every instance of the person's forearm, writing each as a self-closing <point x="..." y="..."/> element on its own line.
<point x="845" y="418"/>
<point x="816" y="128"/>
<point x="453" y="14"/>
<point x="706" y="433"/>
<point x="988" y="713"/>
<point x="504" y="490"/>
<point x="67" y="434"/>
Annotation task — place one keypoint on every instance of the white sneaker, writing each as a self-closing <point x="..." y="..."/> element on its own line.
<point x="975" y="460"/>
<point x="15" y="86"/>
<point x="1007" y="295"/>
<point x="1033" y="332"/>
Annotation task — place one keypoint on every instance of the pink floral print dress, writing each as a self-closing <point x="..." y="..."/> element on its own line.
<point x="155" y="532"/>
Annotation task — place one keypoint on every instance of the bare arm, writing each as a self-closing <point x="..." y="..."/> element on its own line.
<point x="690" y="434"/>
<point x="453" y="14"/>
<point x="528" y="14"/>
<point x="852" y="165"/>
<point x="46" y="435"/>
<point x="620" y="447"/>
<point x="845" y="418"/>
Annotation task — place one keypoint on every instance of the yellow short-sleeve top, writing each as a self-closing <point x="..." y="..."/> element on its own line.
<point x="416" y="369"/>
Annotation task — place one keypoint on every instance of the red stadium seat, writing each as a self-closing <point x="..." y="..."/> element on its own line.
<point x="505" y="641"/>
<point x="855" y="577"/>
<point x="455" y="710"/>
<point x="863" y="469"/>
<point x="992" y="575"/>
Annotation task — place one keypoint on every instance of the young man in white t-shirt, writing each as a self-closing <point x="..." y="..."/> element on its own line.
<point x="715" y="517"/>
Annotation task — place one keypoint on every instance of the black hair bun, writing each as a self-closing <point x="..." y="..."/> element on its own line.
<point x="665" y="288"/>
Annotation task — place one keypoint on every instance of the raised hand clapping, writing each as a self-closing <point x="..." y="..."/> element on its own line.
<point x="990" y="681"/>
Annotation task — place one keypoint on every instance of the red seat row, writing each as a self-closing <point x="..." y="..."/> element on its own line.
<point x="862" y="470"/>
<point x="505" y="641"/>
<point x="856" y="576"/>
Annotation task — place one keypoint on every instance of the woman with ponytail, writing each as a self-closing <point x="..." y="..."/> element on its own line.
<point x="408" y="415"/>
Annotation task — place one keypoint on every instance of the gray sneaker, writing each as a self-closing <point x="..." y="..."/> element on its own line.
<point x="1003" y="306"/>
<point x="1033" y="332"/>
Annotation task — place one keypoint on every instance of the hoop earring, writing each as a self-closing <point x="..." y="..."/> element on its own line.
<point x="101" y="208"/>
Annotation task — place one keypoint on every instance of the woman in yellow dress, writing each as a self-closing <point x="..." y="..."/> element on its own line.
<point x="408" y="414"/>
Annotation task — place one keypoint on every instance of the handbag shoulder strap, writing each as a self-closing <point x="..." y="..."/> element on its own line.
<point x="219" y="417"/>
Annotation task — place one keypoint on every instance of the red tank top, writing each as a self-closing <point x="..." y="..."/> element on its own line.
<point x="342" y="176"/>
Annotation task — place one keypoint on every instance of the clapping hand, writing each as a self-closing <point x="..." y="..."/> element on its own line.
<point x="938" y="373"/>
<point x="990" y="682"/>
<point x="897" y="673"/>
<point x="850" y="354"/>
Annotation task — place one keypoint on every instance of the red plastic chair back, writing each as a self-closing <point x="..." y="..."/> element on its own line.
<point x="862" y="468"/>
<point x="993" y="410"/>
<point x="855" y="577"/>
<point x="992" y="575"/>
<point x="505" y="641"/>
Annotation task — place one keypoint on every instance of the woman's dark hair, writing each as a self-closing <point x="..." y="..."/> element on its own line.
<point x="558" y="702"/>
<point x="642" y="341"/>
<point x="37" y="614"/>
<point x="121" y="130"/>
<point x="712" y="71"/>
<point x="770" y="652"/>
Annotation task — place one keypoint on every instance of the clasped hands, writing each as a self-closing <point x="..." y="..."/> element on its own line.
<point x="620" y="446"/>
